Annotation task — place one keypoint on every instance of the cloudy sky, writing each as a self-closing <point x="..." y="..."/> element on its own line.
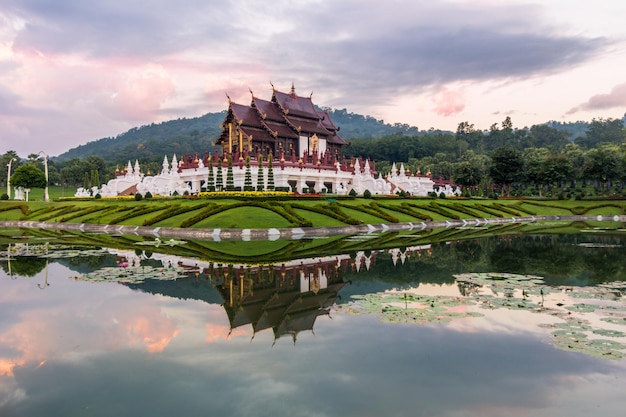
<point x="73" y="71"/>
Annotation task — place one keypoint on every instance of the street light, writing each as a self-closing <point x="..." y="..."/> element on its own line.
<point x="45" y="165"/>
<point x="9" y="177"/>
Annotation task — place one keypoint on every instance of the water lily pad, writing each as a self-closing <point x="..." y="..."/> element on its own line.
<point x="609" y="333"/>
<point x="582" y="308"/>
<point x="134" y="274"/>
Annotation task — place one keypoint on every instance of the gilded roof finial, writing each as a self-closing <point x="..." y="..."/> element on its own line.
<point x="251" y="93"/>
<point x="227" y="96"/>
<point x="273" y="88"/>
<point x="293" y="89"/>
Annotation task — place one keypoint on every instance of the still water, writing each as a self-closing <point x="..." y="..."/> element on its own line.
<point x="498" y="326"/>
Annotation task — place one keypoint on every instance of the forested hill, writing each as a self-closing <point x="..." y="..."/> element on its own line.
<point x="182" y="136"/>
<point x="153" y="141"/>
<point x="189" y="135"/>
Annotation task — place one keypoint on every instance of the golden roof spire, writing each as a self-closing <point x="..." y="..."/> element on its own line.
<point x="293" y="89"/>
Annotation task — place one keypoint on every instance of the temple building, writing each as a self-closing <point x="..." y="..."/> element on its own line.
<point x="285" y="126"/>
<point x="283" y="144"/>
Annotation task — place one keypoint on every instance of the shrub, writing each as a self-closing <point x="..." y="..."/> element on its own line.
<point x="148" y="194"/>
<point x="352" y="193"/>
<point x="442" y="195"/>
<point x="367" y="194"/>
<point x="4" y="196"/>
<point x="138" y="197"/>
<point x="98" y="196"/>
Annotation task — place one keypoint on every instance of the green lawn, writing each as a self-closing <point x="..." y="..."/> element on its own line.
<point x="232" y="213"/>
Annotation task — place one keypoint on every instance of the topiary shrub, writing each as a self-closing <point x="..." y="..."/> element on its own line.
<point x="4" y="196"/>
<point x="352" y="193"/>
<point x="138" y="197"/>
<point x="367" y="194"/>
<point x="442" y="195"/>
<point x="97" y="196"/>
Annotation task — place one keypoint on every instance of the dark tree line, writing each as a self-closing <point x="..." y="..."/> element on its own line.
<point x="544" y="159"/>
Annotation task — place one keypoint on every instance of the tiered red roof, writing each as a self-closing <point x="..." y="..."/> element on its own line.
<point x="279" y="122"/>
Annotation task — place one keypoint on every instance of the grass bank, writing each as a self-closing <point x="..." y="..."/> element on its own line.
<point x="289" y="211"/>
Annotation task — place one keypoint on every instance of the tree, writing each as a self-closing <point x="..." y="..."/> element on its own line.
<point x="544" y="136"/>
<point x="534" y="165"/>
<point x="270" y="173"/>
<point x="467" y="174"/>
<point x="260" y="183"/>
<point x="10" y="156"/>
<point x="219" y="177"/>
<point x="507" y="167"/>
<point x="211" y="178"/>
<point x="28" y="176"/>
<point x="247" y="184"/>
<point x="603" y="131"/>
<point x="603" y="165"/>
<point x="557" y="169"/>
<point x="229" y="175"/>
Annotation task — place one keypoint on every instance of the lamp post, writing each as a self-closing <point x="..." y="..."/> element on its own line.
<point x="45" y="166"/>
<point x="9" y="177"/>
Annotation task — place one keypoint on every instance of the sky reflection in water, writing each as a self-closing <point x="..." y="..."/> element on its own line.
<point x="102" y="349"/>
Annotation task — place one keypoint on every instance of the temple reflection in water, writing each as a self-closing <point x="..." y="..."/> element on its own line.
<point x="287" y="298"/>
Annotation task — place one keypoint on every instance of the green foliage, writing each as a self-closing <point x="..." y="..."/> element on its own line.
<point x="247" y="184"/>
<point x="138" y="197"/>
<point x="270" y="173"/>
<point x="260" y="184"/>
<point x="367" y="194"/>
<point x="219" y="179"/>
<point x="408" y="210"/>
<point x="373" y="210"/>
<point x="4" y="196"/>
<point x="28" y="176"/>
<point x="332" y="210"/>
<point x="506" y="167"/>
<point x="172" y="211"/>
<point x="151" y="142"/>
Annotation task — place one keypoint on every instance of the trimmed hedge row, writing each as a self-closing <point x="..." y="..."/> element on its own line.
<point x="213" y="209"/>
<point x="41" y="211"/>
<point x="23" y="208"/>
<point x="436" y="208"/>
<point x="404" y="209"/>
<point x="463" y="209"/>
<point x="331" y="210"/>
<point x="373" y="210"/>
<point x="518" y="206"/>
<point x="84" y="212"/>
<point x="485" y="209"/>
<point x="136" y="212"/>
<point x="172" y="211"/>
<point x="505" y="209"/>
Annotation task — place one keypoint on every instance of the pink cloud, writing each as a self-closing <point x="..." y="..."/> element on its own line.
<point x="138" y="97"/>
<point x="448" y="102"/>
<point x="616" y="98"/>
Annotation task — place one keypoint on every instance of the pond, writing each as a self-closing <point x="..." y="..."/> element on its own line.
<point x="500" y="324"/>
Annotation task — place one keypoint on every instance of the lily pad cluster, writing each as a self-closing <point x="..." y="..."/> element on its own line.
<point x="592" y="319"/>
<point x="133" y="274"/>
<point x="399" y="307"/>
<point x="49" y="251"/>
